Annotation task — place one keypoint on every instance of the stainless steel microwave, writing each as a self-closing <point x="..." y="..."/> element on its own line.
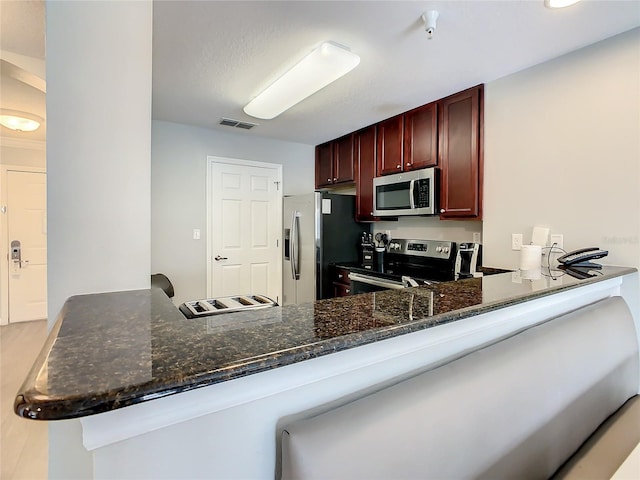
<point x="410" y="193"/>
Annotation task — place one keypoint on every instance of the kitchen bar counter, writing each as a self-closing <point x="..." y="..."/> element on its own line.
<point x="114" y="350"/>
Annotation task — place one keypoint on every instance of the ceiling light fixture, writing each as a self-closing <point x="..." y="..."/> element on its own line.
<point x="559" y="3"/>
<point x="22" y="121"/>
<point x="324" y="65"/>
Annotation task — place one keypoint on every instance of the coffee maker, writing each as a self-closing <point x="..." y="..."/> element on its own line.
<point x="468" y="260"/>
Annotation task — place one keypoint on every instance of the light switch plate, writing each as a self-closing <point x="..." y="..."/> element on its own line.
<point x="516" y="241"/>
<point x="196" y="234"/>
<point x="556" y="239"/>
<point x="477" y="237"/>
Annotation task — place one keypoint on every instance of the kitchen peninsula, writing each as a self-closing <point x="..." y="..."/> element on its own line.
<point x="162" y="396"/>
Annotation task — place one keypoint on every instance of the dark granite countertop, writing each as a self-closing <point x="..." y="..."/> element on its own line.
<point x="112" y="350"/>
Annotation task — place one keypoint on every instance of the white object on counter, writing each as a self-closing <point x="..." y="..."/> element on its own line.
<point x="530" y="257"/>
<point x="532" y="273"/>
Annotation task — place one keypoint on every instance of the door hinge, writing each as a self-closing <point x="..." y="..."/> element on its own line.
<point x="277" y="185"/>
<point x="277" y="243"/>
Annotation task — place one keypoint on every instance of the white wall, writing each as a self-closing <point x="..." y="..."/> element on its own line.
<point x="31" y="154"/>
<point x="98" y="162"/>
<point x="428" y="228"/>
<point x="178" y="193"/>
<point x="562" y="149"/>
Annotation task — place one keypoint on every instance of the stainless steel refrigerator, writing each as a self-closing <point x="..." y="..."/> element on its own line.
<point x="319" y="229"/>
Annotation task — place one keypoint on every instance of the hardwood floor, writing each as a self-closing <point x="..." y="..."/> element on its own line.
<point x="23" y="443"/>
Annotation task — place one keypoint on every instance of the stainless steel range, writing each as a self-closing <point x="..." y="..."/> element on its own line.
<point x="410" y="263"/>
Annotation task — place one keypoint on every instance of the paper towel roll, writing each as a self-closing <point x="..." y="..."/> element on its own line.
<point x="530" y="257"/>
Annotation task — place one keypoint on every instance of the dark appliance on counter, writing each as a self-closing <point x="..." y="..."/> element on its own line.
<point x="319" y="230"/>
<point x="366" y="247"/>
<point x="408" y="263"/>
<point x="468" y="260"/>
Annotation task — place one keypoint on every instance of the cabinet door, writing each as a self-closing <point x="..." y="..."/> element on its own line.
<point x="324" y="165"/>
<point x="365" y="152"/>
<point x="421" y="137"/>
<point x="461" y="154"/>
<point x="390" y="146"/>
<point x="343" y="160"/>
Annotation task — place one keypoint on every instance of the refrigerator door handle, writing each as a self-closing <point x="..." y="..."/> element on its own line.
<point x="295" y="246"/>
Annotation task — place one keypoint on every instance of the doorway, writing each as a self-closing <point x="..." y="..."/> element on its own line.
<point x="244" y="224"/>
<point x="24" y="234"/>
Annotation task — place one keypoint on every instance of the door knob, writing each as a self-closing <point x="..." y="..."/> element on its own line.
<point x="218" y="258"/>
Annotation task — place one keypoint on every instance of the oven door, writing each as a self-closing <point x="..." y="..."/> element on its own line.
<point x="365" y="283"/>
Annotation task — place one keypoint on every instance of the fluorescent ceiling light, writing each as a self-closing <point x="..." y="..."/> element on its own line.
<point x="21" y="121"/>
<point x="559" y="3"/>
<point x="322" y="66"/>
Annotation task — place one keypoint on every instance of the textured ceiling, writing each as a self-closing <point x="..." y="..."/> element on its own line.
<point x="22" y="27"/>
<point x="211" y="57"/>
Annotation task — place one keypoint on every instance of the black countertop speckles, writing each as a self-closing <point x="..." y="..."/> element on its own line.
<point x="111" y="350"/>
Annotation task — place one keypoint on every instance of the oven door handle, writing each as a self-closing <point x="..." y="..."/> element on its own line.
<point x="356" y="277"/>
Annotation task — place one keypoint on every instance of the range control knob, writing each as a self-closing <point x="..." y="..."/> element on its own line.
<point x="445" y="249"/>
<point x="438" y="249"/>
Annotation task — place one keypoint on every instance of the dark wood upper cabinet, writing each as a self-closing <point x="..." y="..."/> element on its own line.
<point x="343" y="160"/>
<point x="421" y="137"/>
<point x="324" y="165"/>
<point x="461" y="154"/>
<point x="389" y="150"/>
<point x="365" y="154"/>
<point x="335" y="162"/>
<point x="447" y="134"/>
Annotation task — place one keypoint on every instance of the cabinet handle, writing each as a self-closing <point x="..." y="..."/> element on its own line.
<point x="340" y="276"/>
<point x="329" y="180"/>
<point x="347" y="290"/>
<point x="398" y="166"/>
<point x="335" y="179"/>
<point x="442" y="210"/>
<point x="408" y="164"/>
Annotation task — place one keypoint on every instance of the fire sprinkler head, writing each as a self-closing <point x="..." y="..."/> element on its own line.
<point x="430" y="19"/>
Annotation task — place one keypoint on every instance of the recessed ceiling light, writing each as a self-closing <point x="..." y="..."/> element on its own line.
<point x="559" y="3"/>
<point x="21" y="121"/>
<point x="324" y="65"/>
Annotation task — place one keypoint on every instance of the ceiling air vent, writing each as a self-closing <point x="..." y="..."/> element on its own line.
<point x="229" y="122"/>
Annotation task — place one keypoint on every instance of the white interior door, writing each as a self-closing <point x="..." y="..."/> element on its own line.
<point x="27" y="231"/>
<point x="245" y="225"/>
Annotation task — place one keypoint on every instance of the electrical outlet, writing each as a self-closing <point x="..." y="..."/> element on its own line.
<point x="477" y="237"/>
<point x="557" y="239"/>
<point x="516" y="241"/>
